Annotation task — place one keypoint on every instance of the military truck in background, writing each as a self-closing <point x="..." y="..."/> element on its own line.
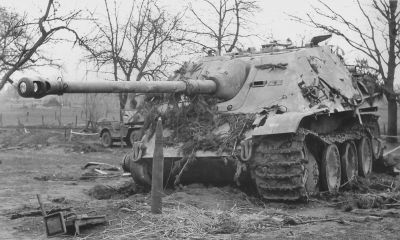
<point x="127" y="131"/>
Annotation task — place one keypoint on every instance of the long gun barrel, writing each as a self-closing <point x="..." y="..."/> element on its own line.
<point x="37" y="88"/>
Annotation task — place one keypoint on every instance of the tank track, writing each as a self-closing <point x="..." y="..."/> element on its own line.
<point x="279" y="169"/>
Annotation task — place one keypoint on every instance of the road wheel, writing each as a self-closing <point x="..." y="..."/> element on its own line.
<point x="375" y="143"/>
<point x="349" y="161"/>
<point x="312" y="174"/>
<point x="330" y="169"/>
<point x="365" y="156"/>
<point x="106" y="139"/>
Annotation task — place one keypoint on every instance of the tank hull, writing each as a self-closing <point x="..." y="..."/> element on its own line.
<point x="283" y="166"/>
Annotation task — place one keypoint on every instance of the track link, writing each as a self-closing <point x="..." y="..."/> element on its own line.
<point x="279" y="171"/>
<point x="279" y="164"/>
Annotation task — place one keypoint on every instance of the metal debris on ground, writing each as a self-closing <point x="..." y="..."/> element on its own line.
<point x="81" y="220"/>
<point x="10" y="148"/>
<point x="97" y="173"/>
<point x="36" y="213"/>
<point x="100" y="170"/>
<point x="103" y="166"/>
<point x="60" y="222"/>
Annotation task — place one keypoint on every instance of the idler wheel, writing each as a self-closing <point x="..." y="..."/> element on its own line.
<point x="349" y="161"/>
<point x="141" y="172"/>
<point x="330" y="169"/>
<point x="106" y="139"/>
<point x="134" y="136"/>
<point x="312" y="174"/>
<point x="365" y="156"/>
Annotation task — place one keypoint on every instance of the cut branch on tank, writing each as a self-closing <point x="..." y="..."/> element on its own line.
<point x="194" y="121"/>
<point x="382" y="24"/>
<point x="21" y="39"/>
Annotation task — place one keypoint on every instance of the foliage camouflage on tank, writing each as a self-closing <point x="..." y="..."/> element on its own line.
<point x="289" y="121"/>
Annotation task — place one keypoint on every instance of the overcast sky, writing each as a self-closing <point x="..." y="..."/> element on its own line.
<point x="272" y="20"/>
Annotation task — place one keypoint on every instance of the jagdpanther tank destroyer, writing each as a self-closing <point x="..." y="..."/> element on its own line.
<point x="290" y="121"/>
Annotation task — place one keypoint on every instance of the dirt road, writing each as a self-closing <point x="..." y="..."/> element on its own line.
<point x="18" y="186"/>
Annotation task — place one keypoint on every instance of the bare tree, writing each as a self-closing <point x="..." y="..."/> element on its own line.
<point x="383" y="26"/>
<point x="224" y="26"/>
<point x="134" y="46"/>
<point x="21" y="40"/>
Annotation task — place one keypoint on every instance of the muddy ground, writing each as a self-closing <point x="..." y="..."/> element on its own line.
<point x="42" y="162"/>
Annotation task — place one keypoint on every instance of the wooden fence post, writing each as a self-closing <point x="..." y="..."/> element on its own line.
<point x="42" y="120"/>
<point x="1" y="120"/>
<point x="158" y="171"/>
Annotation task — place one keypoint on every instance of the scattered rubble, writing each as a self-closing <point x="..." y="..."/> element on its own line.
<point x="393" y="162"/>
<point x="117" y="191"/>
<point x="82" y="147"/>
<point x="378" y="191"/>
<point x="10" y="148"/>
<point x="377" y="212"/>
<point x="55" y="177"/>
<point x="225" y="224"/>
<point x="91" y="171"/>
<point x="59" y="200"/>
